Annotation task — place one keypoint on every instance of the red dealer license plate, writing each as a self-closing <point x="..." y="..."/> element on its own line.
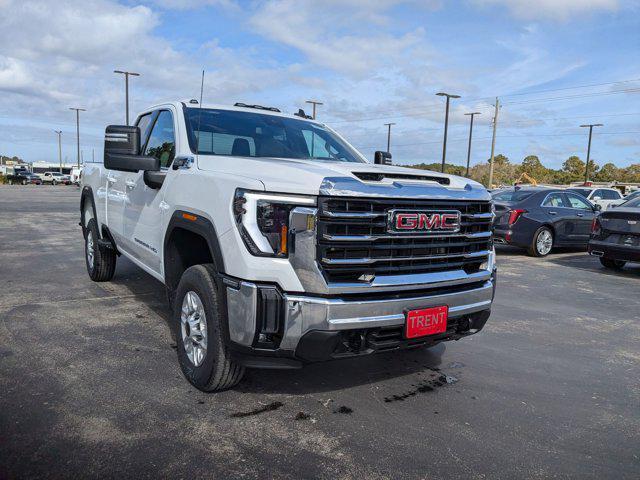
<point x="426" y="321"/>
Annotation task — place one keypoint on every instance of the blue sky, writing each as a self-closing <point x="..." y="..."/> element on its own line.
<point x="370" y="62"/>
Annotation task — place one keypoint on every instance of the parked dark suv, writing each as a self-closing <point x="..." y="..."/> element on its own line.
<point x="539" y="219"/>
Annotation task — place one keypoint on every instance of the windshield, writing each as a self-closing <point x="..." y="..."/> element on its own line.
<point x="248" y="134"/>
<point x="511" y="195"/>
<point x="580" y="191"/>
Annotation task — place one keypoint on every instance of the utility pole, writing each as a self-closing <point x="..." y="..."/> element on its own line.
<point x="78" y="110"/>
<point x="126" y="87"/>
<point x="470" y="134"/>
<point x="314" y="103"/>
<point x="493" y="141"/>
<point x="389" y="136"/>
<point x="59" y="132"/>
<point x="446" y="124"/>
<point x="586" y="167"/>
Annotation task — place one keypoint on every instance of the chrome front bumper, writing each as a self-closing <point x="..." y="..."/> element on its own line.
<point x="303" y="314"/>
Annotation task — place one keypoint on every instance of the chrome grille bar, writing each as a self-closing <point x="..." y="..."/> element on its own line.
<point x="369" y="261"/>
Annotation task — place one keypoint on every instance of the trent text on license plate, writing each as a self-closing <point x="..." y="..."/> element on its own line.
<point x="426" y="321"/>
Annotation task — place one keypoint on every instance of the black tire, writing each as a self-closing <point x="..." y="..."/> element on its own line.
<point x="10" y="182"/>
<point x="54" y="183"/>
<point x="217" y="371"/>
<point x="24" y="182"/>
<point x="534" y="249"/>
<point x="103" y="266"/>
<point x="612" y="264"/>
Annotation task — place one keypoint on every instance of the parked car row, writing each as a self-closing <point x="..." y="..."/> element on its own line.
<point x="538" y="219"/>
<point x="25" y="177"/>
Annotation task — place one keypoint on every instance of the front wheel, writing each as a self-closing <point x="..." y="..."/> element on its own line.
<point x="10" y="182"/>
<point x="542" y="242"/>
<point x="24" y="182"/>
<point x="612" y="264"/>
<point x="54" y="183"/>
<point x="198" y="321"/>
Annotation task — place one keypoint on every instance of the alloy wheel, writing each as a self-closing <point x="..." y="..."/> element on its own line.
<point x="193" y="325"/>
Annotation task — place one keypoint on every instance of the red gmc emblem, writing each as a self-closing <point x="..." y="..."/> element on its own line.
<point x="426" y="221"/>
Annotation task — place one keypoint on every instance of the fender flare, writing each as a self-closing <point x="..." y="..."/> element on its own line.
<point x="87" y="192"/>
<point x="201" y="226"/>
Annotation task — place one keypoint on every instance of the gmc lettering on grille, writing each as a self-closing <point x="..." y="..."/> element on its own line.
<point x="426" y="222"/>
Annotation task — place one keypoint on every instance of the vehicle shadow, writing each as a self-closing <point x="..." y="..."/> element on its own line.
<point x="320" y="377"/>
<point x="345" y="373"/>
<point x="584" y="261"/>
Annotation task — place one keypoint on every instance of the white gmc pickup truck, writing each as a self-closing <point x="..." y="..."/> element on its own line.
<point x="279" y="244"/>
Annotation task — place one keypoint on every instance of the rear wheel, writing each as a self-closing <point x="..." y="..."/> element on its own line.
<point x="542" y="242"/>
<point x="198" y="321"/>
<point x="100" y="260"/>
<point x="612" y="264"/>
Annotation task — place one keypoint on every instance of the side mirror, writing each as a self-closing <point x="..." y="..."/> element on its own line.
<point x="597" y="207"/>
<point x="122" y="150"/>
<point x="382" y="158"/>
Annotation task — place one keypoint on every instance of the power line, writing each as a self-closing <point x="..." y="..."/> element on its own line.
<point x="569" y="97"/>
<point x="339" y="112"/>
<point x="461" y="139"/>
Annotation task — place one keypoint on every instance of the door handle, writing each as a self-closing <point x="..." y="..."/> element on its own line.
<point x="130" y="184"/>
<point x="111" y="180"/>
<point x="581" y="214"/>
<point x="553" y="213"/>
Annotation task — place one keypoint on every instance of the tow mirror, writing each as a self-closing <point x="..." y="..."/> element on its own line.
<point x="382" y="158"/>
<point x="122" y="150"/>
<point x="597" y="207"/>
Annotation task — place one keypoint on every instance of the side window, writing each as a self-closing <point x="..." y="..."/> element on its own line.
<point x="577" y="202"/>
<point x="597" y="193"/>
<point x="144" y="122"/>
<point x="162" y="143"/>
<point x="611" y="195"/>
<point x="554" y="200"/>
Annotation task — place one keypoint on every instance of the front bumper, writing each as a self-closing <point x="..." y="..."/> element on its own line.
<point x="313" y="328"/>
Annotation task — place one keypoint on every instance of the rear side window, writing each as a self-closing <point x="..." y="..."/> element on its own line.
<point x="578" y="202"/>
<point x="634" y="203"/>
<point x="555" y="200"/>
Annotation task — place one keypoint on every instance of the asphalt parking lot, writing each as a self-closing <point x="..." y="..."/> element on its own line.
<point x="91" y="386"/>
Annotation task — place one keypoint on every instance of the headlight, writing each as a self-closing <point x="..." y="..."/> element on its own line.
<point x="263" y="220"/>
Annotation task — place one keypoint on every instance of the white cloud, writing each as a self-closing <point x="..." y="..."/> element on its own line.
<point x="551" y="9"/>
<point x="340" y="36"/>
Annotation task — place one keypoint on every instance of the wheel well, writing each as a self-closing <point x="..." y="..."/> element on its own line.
<point x="184" y="249"/>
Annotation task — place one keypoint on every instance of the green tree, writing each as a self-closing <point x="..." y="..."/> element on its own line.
<point x="609" y="173"/>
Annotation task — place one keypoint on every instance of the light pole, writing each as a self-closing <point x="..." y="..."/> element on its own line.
<point x="446" y="124"/>
<point x="586" y="167"/>
<point x="470" y="134"/>
<point x="388" y="125"/>
<point x="59" y="132"/>
<point x="314" y="103"/>
<point x="126" y="87"/>
<point x="78" y="110"/>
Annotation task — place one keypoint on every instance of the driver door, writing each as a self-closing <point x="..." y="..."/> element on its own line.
<point x="143" y="218"/>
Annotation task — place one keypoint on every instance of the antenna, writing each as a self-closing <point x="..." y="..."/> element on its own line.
<point x="199" y="116"/>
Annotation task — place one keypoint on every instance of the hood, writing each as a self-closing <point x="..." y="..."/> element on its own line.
<point x="313" y="177"/>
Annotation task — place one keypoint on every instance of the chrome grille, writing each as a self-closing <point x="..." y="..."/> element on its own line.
<point x="353" y="241"/>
